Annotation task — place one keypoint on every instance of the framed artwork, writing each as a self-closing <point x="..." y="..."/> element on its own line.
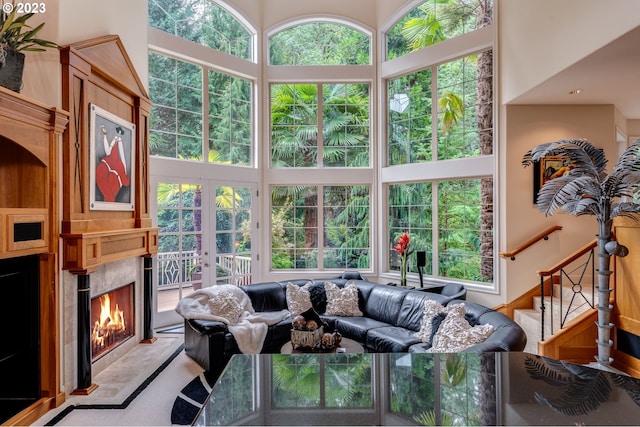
<point x="548" y="168"/>
<point x="112" y="161"/>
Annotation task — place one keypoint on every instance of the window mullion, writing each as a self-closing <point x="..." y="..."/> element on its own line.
<point x="434" y="113"/>
<point x="320" y="139"/>
<point x="435" y="230"/>
<point x="205" y="114"/>
<point x="320" y="226"/>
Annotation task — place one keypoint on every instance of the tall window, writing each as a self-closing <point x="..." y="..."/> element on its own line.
<point x="439" y="112"/>
<point x="181" y="122"/>
<point x="316" y="125"/>
<point x="320" y="43"/>
<point x="325" y="129"/>
<point x="434" y="21"/>
<point x="320" y="227"/>
<point x="203" y="22"/>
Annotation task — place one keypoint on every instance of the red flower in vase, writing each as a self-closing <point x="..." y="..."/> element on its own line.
<point x="402" y="243"/>
<point x="402" y="247"/>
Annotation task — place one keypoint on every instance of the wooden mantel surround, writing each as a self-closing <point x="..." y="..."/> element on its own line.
<point x="99" y="72"/>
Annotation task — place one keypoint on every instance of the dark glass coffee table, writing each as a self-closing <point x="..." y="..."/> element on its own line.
<point x="418" y="389"/>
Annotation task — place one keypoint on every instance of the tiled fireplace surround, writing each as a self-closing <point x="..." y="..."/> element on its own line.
<point x="106" y="277"/>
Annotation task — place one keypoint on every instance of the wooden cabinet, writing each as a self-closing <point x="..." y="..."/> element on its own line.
<point x="30" y="139"/>
<point x="626" y="312"/>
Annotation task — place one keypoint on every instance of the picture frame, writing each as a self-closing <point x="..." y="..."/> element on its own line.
<point x="112" y="143"/>
<point x="548" y="168"/>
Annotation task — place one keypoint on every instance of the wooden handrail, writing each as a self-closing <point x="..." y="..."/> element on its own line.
<point x="544" y="235"/>
<point x="568" y="260"/>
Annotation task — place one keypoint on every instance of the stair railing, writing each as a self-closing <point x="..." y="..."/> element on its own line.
<point x="535" y="239"/>
<point x="578" y="269"/>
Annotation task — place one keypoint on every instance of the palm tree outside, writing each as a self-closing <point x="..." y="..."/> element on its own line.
<point x="586" y="189"/>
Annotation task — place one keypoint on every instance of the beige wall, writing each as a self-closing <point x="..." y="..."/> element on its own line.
<point x="528" y="126"/>
<point x="71" y="21"/>
<point x="540" y="38"/>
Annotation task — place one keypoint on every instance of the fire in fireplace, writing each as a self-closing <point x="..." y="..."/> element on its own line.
<point x="112" y="320"/>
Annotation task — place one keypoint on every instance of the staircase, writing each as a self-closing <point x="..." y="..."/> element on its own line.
<point x="561" y="310"/>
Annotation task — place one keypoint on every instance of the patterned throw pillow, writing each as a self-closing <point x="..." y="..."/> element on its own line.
<point x="433" y="315"/>
<point x="456" y="334"/>
<point x="342" y="302"/>
<point x="298" y="298"/>
<point x="226" y="305"/>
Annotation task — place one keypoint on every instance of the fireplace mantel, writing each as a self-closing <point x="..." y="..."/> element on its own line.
<point x="98" y="72"/>
<point x="84" y="252"/>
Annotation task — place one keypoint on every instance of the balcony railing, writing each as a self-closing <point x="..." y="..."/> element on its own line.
<point x="175" y="268"/>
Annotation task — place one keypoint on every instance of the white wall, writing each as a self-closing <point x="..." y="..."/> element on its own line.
<point x="540" y="38"/>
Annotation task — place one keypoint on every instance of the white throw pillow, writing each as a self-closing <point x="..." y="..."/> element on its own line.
<point x="298" y="298"/>
<point x="432" y="309"/>
<point x="226" y="305"/>
<point x="342" y="302"/>
<point x="456" y="334"/>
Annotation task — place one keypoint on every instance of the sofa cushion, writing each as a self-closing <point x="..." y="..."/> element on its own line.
<point x="356" y="327"/>
<point x="432" y="316"/>
<point x="412" y="310"/>
<point x="298" y="298"/>
<point x="384" y="303"/>
<point x="226" y="305"/>
<point x="342" y="302"/>
<point x="390" y="339"/>
<point x="456" y="334"/>
<point x="267" y="296"/>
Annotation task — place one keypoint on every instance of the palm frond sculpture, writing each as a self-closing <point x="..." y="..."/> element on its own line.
<point x="586" y="189"/>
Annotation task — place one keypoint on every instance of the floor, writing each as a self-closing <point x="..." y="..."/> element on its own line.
<point x="122" y="382"/>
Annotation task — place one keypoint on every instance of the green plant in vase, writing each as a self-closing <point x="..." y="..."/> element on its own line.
<point x="16" y="36"/>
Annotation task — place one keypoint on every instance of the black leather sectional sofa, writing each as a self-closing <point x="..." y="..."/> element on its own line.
<point x="391" y="316"/>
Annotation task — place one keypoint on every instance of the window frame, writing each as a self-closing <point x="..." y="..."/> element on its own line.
<point x="433" y="171"/>
<point x="308" y="176"/>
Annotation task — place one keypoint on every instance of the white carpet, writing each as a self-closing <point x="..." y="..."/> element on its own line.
<point x="151" y="407"/>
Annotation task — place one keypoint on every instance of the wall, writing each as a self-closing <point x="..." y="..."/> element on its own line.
<point x="528" y="126"/>
<point x="542" y="37"/>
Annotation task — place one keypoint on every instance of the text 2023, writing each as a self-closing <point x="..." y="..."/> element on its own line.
<point x="30" y="7"/>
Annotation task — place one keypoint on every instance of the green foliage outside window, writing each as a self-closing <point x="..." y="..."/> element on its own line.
<point x="203" y="22"/>
<point x="298" y="140"/>
<point x="345" y="227"/>
<point x="433" y="22"/>
<point x="320" y="43"/>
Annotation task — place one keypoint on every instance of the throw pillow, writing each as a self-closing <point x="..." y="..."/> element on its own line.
<point x="298" y="299"/>
<point x="342" y="302"/>
<point x="456" y="334"/>
<point x="434" y="314"/>
<point x="226" y="305"/>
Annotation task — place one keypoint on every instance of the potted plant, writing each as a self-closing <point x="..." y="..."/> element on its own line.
<point x="17" y="36"/>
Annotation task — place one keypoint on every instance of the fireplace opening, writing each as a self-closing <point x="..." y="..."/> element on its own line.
<point x="20" y="348"/>
<point x="112" y="320"/>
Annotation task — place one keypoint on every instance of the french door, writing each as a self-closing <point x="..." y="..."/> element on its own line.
<point x="206" y="235"/>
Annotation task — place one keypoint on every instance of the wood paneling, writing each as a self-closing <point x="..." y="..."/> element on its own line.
<point x="626" y="312"/>
<point x="98" y="71"/>
<point x="30" y="135"/>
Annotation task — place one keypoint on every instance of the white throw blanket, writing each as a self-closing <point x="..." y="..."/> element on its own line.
<point x="250" y="329"/>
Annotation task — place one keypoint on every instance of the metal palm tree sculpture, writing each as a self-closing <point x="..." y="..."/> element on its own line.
<point x="586" y="189"/>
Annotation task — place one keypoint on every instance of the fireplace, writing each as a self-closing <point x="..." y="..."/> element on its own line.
<point x="112" y="320"/>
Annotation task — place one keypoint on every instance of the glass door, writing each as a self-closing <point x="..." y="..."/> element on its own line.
<point x="205" y="238"/>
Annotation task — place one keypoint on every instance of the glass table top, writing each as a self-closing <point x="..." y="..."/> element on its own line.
<point x="418" y="389"/>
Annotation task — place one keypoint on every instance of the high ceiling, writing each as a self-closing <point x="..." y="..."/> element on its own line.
<point x="610" y="75"/>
